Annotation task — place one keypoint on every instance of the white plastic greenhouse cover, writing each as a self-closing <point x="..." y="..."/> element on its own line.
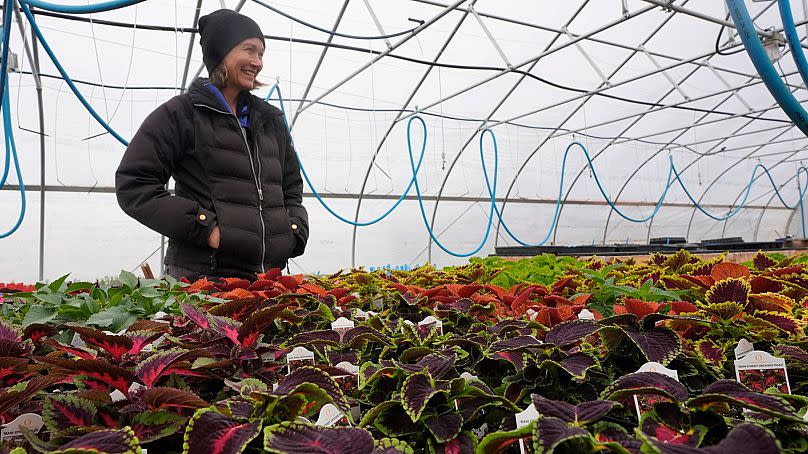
<point x="637" y="82"/>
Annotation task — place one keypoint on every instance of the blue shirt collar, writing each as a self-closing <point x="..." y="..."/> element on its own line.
<point x="243" y="111"/>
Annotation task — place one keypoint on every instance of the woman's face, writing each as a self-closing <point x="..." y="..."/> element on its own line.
<point x="243" y="64"/>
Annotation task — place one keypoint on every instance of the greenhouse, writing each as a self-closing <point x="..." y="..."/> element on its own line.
<point x="403" y="226"/>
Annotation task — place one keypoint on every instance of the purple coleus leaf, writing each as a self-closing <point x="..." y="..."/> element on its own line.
<point x="61" y="412"/>
<point x="762" y="261"/>
<point x="444" y="427"/>
<point x="576" y="364"/>
<point x="793" y="353"/>
<point x="570" y="332"/>
<point x="120" y="441"/>
<point x="296" y="438"/>
<point x="226" y="327"/>
<point x="237" y="309"/>
<point x="525" y="344"/>
<point x="464" y="443"/>
<point x="780" y="320"/>
<point x="115" y="346"/>
<point x="645" y="383"/>
<point x="550" y="432"/>
<point x="660" y="345"/>
<point x="149" y="426"/>
<point x="141" y="339"/>
<point x="308" y="380"/>
<point x="437" y="365"/>
<point x="671" y="435"/>
<point x="515" y="358"/>
<point x="362" y="334"/>
<point x="580" y="414"/>
<point x="171" y="398"/>
<point x="311" y="338"/>
<point x="729" y="290"/>
<point x="214" y="433"/>
<point x="416" y="392"/>
<point x="744" y="438"/>
<point x="734" y="393"/>
<point x="711" y="352"/>
<point x="160" y="363"/>
<point x="507" y="325"/>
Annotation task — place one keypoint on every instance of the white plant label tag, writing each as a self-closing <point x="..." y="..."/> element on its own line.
<point x="759" y="371"/>
<point x="342" y="325"/>
<point x="77" y="341"/>
<point x="586" y="314"/>
<point x="743" y="348"/>
<point x="644" y="402"/>
<point x="431" y="320"/>
<point x="348" y="383"/>
<point x="364" y="316"/>
<point x="522" y="419"/>
<point x="331" y="416"/>
<point x="118" y="396"/>
<point x="298" y="357"/>
<point x="30" y="421"/>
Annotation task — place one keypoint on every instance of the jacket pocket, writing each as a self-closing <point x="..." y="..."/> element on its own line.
<point x="239" y="233"/>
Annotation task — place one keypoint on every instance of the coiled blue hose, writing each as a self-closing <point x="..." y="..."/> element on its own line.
<point x="790" y="30"/>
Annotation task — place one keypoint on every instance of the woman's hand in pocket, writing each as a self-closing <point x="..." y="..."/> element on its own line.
<point x="213" y="239"/>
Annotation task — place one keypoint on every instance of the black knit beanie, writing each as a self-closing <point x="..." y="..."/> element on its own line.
<point x="221" y="31"/>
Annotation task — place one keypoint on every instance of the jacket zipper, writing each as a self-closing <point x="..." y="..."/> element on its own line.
<point x="255" y="179"/>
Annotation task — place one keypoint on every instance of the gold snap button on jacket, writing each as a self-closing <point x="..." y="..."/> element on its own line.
<point x="202" y="217"/>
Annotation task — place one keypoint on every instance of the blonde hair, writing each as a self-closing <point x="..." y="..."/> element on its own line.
<point x="219" y="78"/>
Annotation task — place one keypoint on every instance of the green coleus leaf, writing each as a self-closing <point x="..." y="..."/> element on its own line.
<point x="416" y="392"/>
<point x="498" y="442"/>
<point x="736" y="394"/>
<point x="392" y="446"/>
<point x="150" y="426"/>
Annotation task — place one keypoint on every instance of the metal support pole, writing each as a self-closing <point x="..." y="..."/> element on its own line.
<point x="41" y="108"/>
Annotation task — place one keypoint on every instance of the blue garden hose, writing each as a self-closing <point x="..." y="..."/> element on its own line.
<point x="781" y="93"/>
<point x="11" y="149"/>
<point x="8" y="7"/>
<point x="67" y="78"/>
<point x="80" y="9"/>
<point x="790" y="30"/>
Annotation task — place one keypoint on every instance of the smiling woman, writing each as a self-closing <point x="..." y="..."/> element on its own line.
<point x="237" y="210"/>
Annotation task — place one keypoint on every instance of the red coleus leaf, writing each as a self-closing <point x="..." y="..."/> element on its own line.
<point x="195" y="315"/>
<point x="236" y="293"/>
<point x="637" y="307"/>
<point x="726" y="270"/>
<point x="36" y="331"/>
<point x="311" y="289"/>
<point x="13" y="366"/>
<point x="270" y="274"/>
<point x="141" y="339"/>
<point x="237" y="309"/>
<point x="75" y="351"/>
<point x="232" y="283"/>
<point x="115" y="345"/>
<point x="201" y="285"/>
<point x="248" y="332"/>
<point x="61" y="412"/>
<point x="704" y="282"/>
<point x="682" y="307"/>
<point x="261" y="284"/>
<point x="158" y="364"/>
<point x="775" y="302"/>
<point x="291" y="282"/>
<point x="101" y="370"/>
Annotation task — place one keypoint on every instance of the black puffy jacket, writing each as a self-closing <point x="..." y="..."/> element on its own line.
<point x="253" y="192"/>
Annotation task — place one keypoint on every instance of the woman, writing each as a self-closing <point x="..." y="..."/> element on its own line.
<point x="237" y="208"/>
